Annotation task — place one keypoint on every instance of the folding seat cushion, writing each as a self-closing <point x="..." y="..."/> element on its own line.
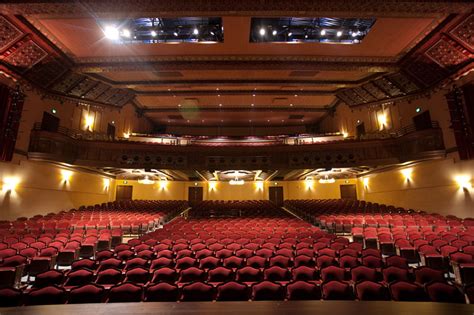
<point x="277" y="273"/>
<point x="302" y="290"/>
<point x="146" y="254"/>
<point x="162" y="292"/>
<point x="363" y="273"/>
<point x="185" y="262"/>
<point x="348" y="262"/>
<point x="192" y="274"/>
<point x="46" y="295"/>
<point x="47" y="278"/>
<point x="203" y="253"/>
<point x="79" y="277"/>
<point x="125" y="292"/>
<point x="184" y="253"/>
<point x="336" y="290"/>
<point x="443" y="292"/>
<point x="232" y="291"/>
<point x="220" y="274"/>
<point x="138" y="275"/>
<point x="325" y="261"/>
<point x="461" y="258"/>
<point x="304" y="273"/>
<point x="136" y="262"/>
<point x="371" y="291"/>
<point x="89" y="293"/>
<point x="233" y="262"/>
<point x="14" y="261"/>
<point x="7" y="252"/>
<point x="197" y="291"/>
<point x="161" y="262"/>
<point x="248" y="274"/>
<point x="104" y="254"/>
<point x="348" y="252"/>
<point x="40" y="264"/>
<point x="267" y="291"/>
<point x="391" y="274"/>
<point x="10" y="297"/>
<point x="333" y="273"/>
<point x="372" y="261"/>
<point x="257" y="262"/>
<point x="164" y="274"/>
<point x="109" y="277"/>
<point x="83" y="264"/>
<point x="305" y="251"/>
<point x="396" y="261"/>
<point x="424" y="275"/>
<point x="111" y="263"/>
<point x="408" y="292"/>
<point x="224" y="253"/>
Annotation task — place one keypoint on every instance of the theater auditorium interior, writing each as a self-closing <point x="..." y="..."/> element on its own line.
<point x="250" y="156"/>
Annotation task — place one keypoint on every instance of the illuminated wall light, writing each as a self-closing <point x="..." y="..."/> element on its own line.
<point x="323" y="32"/>
<point x="54" y="111"/>
<point x="153" y="34"/>
<point x="382" y="119"/>
<point x="274" y="33"/>
<point x="196" y="31"/>
<point x="418" y="109"/>
<point x="10" y="184"/>
<point x="66" y="175"/>
<point x="212" y="185"/>
<point x="407" y="173"/>
<point x="309" y="182"/>
<point x="262" y="32"/>
<point x="106" y="183"/>
<point x="366" y="182"/>
<point x="126" y="33"/>
<point x="126" y="135"/>
<point x="89" y="121"/>
<point x="463" y="181"/>
<point x="259" y="185"/>
<point x="163" y="183"/>
<point x="339" y="33"/>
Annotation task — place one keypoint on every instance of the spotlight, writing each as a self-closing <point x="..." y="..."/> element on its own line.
<point x="262" y="32"/>
<point x="153" y="34"/>
<point x="290" y="34"/>
<point x="274" y="33"/>
<point x="354" y="34"/>
<point x="111" y="32"/>
<point x="339" y="33"/>
<point x="54" y="111"/>
<point x="418" y="109"/>
<point x="212" y="33"/>
<point x="323" y="32"/>
<point x="126" y="33"/>
<point x="175" y="34"/>
<point x="196" y="31"/>
<point x="306" y="36"/>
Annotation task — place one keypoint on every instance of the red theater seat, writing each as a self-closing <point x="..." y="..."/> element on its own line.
<point x="89" y="293"/>
<point x="232" y="291"/>
<point x="267" y="291"/>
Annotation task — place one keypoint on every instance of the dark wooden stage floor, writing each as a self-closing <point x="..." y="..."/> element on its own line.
<point x="246" y="308"/>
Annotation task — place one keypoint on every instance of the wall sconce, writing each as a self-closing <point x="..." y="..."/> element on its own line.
<point x="309" y="182"/>
<point x="106" y="183"/>
<point x="345" y="134"/>
<point x="126" y="135"/>
<point x="382" y="119"/>
<point x="163" y="183"/>
<point x="259" y="185"/>
<point x="10" y="184"/>
<point x="464" y="181"/>
<point x="212" y="185"/>
<point x="407" y="173"/>
<point x="89" y="120"/>
<point x="66" y="175"/>
<point x="365" y="180"/>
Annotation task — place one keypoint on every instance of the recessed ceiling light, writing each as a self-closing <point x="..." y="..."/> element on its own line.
<point x="179" y="105"/>
<point x="220" y="105"/>
<point x="339" y="33"/>
<point x="187" y="120"/>
<point x="175" y="34"/>
<point x="296" y="95"/>
<point x="195" y="31"/>
<point x="291" y="105"/>
<point x="252" y="104"/>
<point x="218" y="95"/>
<point x="323" y="32"/>
<point x="253" y="94"/>
<point x="153" y="34"/>
<point x="274" y="32"/>
<point x="290" y="34"/>
<point x="306" y="36"/>
<point x="262" y="32"/>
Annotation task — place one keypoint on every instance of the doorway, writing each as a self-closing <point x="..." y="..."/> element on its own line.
<point x="124" y="193"/>
<point x="422" y="121"/>
<point x="360" y="130"/>
<point x="111" y="131"/>
<point x="195" y="195"/>
<point x="50" y="122"/>
<point x="275" y="195"/>
<point x="348" y="192"/>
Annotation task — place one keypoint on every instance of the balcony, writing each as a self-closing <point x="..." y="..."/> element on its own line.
<point x="67" y="146"/>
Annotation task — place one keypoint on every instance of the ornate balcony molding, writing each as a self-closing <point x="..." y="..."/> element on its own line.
<point x="413" y="146"/>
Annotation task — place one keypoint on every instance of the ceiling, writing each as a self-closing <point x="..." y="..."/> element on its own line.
<point x="235" y="82"/>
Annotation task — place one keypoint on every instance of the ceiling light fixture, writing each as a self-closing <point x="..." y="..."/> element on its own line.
<point x="126" y="33"/>
<point x="146" y="181"/>
<point x="262" y="32"/>
<point x="339" y="33"/>
<point x="274" y="33"/>
<point x="153" y="34"/>
<point x="323" y="32"/>
<point x="111" y="32"/>
<point x="196" y="31"/>
<point x="175" y="34"/>
<point x="326" y="180"/>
